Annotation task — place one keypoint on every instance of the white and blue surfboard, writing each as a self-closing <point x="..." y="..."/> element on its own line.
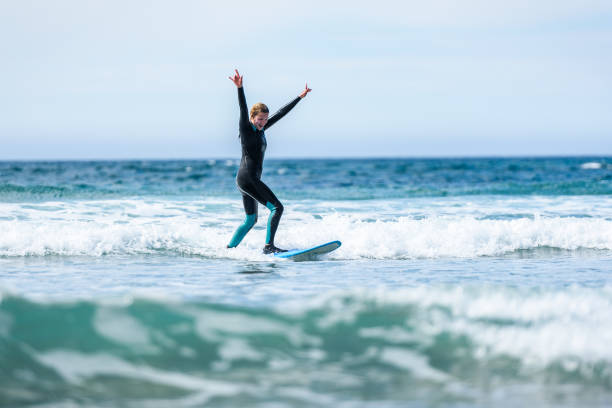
<point x="309" y="254"/>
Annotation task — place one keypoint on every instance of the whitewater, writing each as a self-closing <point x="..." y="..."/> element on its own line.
<point x="378" y="229"/>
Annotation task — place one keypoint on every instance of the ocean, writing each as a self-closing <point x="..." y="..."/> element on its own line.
<point x="463" y="282"/>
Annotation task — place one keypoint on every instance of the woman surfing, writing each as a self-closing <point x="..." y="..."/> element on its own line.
<point x="253" y="140"/>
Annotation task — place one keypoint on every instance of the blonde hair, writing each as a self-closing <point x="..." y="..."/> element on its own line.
<point x="259" y="108"/>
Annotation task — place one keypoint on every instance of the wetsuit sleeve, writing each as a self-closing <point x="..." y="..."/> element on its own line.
<point x="281" y="112"/>
<point x="244" y="112"/>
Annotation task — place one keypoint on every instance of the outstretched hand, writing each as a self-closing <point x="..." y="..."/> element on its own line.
<point x="304" y="92"/>
<point x="236" y="79"/>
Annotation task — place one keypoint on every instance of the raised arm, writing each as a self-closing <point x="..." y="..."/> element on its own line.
<point x="244" y="111"/>
<point x="285" y="109"/>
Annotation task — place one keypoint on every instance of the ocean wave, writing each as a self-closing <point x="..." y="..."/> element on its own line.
<point x="455" y="344"/>
<point x="204" y="228"/>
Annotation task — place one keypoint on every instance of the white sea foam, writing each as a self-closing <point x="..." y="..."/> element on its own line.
<point x="591" y="166"/>
<point x="76" y="367"/>
<point x="537" y="327"/>
<point x="118" y="326"/>
<point x="400" y="229"/>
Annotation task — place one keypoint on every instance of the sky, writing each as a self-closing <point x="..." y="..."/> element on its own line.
<point x="148" y="79"/>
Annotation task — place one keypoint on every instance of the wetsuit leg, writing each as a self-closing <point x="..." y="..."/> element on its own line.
<point x="259" y="191"/>
<point x="250" y="208"/>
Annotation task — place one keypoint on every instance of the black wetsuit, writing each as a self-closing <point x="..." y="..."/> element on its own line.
<point x="248" y="178"/>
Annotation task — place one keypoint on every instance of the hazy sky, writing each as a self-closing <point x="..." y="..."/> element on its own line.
<point x="148" y="79"/>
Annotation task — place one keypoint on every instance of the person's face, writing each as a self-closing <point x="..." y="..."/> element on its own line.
<point x="260" y="120"/>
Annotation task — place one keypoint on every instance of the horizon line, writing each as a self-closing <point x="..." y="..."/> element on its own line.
<point x="375" y="157"/>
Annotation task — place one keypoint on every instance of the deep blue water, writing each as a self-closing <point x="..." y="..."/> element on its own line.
<point x="324" y="179"/>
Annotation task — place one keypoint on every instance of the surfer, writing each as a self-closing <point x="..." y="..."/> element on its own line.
<point x="253" y="140"/>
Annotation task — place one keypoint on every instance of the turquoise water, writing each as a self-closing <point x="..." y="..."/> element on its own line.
<point x="460" y="283"/>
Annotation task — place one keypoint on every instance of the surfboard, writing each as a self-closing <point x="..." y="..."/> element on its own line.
<point x="309" y="254"/>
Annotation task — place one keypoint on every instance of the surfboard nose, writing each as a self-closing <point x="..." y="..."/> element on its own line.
<point x="311" y="253"/>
